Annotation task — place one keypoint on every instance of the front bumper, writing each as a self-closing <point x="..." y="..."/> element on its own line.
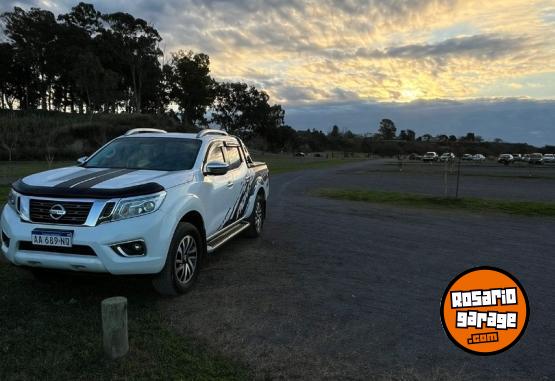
<point x="151" y="228"/>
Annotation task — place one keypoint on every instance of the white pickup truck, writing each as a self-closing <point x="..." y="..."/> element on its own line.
<point x="148" y="202"/>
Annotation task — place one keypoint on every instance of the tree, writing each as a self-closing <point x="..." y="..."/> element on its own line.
<point x="75" y="46"/>
<point x="243" y="110"/>
<point x="135" y="43"/>
<point x="94" y="84"/>
<point x="407" y="135"/>
<point x="387" y="129"/>
<point x="335" y="138"/>
<point x="282" y="138"/>
<point x="84" y="17"/>
<point x="32" y="34"/>
<point x="470" y="137"/>
<point x="7" y="76"/>
<point x="191" y="85"/>
<point x="366" y="145"/>
<point x="426" y="138"/>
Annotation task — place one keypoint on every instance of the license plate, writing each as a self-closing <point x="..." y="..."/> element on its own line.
<point x="58" y="238"/>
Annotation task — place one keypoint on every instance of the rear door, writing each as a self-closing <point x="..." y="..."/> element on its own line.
<point x="240" y="177"/>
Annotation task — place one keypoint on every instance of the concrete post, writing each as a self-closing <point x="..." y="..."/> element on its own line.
<point x="114" y="327"/>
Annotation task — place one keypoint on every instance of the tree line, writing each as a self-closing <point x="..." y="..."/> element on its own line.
<point x="387" y="142"/>
<point x="88" y="62"/>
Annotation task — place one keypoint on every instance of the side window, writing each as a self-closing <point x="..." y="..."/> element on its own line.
<point x="233" y="157"/>
<point x="215" y="154"/>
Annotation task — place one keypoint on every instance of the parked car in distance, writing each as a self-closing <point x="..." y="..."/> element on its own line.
<point x="300" y="154"/>
<point x="415" y="156"/>
<point x="505" y="158"/>
<point x="526" y="157"/>
<point x="478" y="157"/>
<point x="467" y="156"/>
<point x="430" y="156"/>
<point x="549" y="158"/>
<point x="447" y="156"/>
<point x="536" y="158"/>
<point x="517" y="157"/>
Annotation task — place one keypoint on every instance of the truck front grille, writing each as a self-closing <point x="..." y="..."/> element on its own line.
<point x="76" y="213"/>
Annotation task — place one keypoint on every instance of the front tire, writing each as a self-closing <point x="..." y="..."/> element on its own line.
<point x="182" y="265"/>
<point x="256" y="219"/>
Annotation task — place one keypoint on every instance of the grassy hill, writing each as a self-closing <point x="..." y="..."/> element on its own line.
<point x="40" y="135"/>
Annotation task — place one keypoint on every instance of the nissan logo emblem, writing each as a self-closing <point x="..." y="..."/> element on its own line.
<point x="57" y="211"/>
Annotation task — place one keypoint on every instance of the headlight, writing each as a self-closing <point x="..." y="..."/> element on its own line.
<point x="134" y="207"/>
<point x="13" y="200"/>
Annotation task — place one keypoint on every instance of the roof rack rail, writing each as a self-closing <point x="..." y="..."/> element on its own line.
<point x="144" y="130"/>
<point x="210" y="131"/>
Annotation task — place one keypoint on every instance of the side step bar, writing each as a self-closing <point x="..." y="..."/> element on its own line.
<point x="226" y="235"/>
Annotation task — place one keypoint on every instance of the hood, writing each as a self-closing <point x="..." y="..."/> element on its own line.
<point x="105" y="178"/>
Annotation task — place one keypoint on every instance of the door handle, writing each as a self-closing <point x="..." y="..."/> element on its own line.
<point x="229" y="184"/>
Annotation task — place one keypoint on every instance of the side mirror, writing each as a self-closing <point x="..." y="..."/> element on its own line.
<point x="82" y="159"/>
<point x="216" y="168"/>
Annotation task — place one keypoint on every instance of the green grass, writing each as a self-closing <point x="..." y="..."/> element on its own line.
<point x="53" y="332"/>
<point x="529" y="176"/>
<point x="524" y="208"/>
<point x="11" y="171"/>
<point x="4" y="189"/>
<point x="288" y="163"/>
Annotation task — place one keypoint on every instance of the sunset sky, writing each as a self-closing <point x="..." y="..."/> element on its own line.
<point x="309" y="55"/>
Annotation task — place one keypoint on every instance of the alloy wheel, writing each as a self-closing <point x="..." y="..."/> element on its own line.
<point x="186" y="259"/>
<point x="258" y="216"/>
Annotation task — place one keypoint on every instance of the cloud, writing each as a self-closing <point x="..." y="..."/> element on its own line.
<point x="321" y="51"/>
<point x="480" y="46"/>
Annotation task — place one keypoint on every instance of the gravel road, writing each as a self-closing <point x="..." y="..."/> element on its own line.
<point x="338" y="289"/>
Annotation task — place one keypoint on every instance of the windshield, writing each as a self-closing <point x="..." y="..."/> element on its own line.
<point x="161" y="154"/>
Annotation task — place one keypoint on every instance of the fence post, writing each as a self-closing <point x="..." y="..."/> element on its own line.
<point x="114" y="327"/>
<point x="458" y="177"/>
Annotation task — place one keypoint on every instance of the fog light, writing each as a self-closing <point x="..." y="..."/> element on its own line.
<point x="130" y="249"/>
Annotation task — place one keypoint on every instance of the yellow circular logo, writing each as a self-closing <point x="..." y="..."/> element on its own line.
<point x="484" y="310"/>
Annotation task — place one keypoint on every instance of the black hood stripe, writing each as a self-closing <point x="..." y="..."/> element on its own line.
<point x="76" y="174"/>
<point x="101" y="178"/>
<point x="78" y="179"/>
